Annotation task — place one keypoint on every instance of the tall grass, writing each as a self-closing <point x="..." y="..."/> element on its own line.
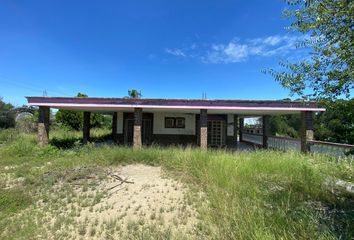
<point x="249" y="195"/>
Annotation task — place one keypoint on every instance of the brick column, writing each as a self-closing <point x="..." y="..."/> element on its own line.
<point x="306" y="130"/>
<point x="137" y="141"/>
<point x="235" y="130"/>
<point x="265" y="128"/>
<point x="86" y="127"/>
<point x="203" y="129"/>
<point x="240" y="129"/>
<point x="114" y="126"/>
<point x="43" y="126"/>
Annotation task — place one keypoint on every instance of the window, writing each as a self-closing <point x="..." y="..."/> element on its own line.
<point x="179" y="122"/>
<point x="171" y="122"/>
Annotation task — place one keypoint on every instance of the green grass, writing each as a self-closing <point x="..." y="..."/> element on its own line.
<point x="249" y="195"/>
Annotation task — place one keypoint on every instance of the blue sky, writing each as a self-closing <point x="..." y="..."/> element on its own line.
<point x="166" y="49"/>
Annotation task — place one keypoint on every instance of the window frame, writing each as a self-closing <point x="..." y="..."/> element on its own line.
<point x="183" y="125"/>
<point x="174" y="121"/>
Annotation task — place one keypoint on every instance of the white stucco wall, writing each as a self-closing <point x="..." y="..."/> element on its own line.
<point x="230" y="127"/>
<point x="120" y="123"/>
<point x="159" y="124"/>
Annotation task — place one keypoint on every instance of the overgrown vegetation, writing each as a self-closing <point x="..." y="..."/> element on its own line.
<point x="74" y="119"/>
<point x="249" y="195"/>
<point x="336" y="124"/>
<point x="7" y="117"/>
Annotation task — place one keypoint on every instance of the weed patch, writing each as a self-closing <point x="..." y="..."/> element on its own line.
<point x="237" y="195"/>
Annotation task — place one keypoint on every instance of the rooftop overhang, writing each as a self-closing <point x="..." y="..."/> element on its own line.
<point x="241" y="107"/>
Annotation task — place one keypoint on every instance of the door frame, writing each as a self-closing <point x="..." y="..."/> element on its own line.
<point x="212" y="117"/>
<point x="129" y="116"/>
<point x="212" y="132"/>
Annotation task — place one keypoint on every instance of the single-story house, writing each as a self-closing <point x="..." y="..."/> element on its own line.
<point x="206" y="123"/>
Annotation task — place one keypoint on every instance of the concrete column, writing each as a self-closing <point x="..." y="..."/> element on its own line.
<point x="306" y="130"/>
<point x="114" y="126"/>
<point x="265" y="128"/>
<point x="86" y="127"/>
<point x="203" y="129"/>
<point x="240" y="129"/>
<point x="235" y="130"/>
<point x="43" y="126"/>
<point x="137" y="141"/>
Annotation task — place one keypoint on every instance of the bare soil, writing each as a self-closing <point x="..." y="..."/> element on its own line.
<point x="149" y="205"/>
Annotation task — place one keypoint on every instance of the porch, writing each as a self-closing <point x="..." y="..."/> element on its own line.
<point x="203" y="123"/>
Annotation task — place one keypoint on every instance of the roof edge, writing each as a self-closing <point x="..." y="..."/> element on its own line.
<point x="172" y="99"/>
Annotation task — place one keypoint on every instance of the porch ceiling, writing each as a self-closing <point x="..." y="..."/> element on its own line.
<point x="241" y="107"/>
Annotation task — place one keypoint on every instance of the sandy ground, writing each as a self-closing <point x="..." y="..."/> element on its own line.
<point x="151" y="204"/>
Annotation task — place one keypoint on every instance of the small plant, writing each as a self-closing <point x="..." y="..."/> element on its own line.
<point x="162" y="210"/>
<point x="153" y="216"/>
<point x="138" y="208"/>
<point x="92" y="231"/>
<point x="175" y="221"/>
<point x="82" y="229"/>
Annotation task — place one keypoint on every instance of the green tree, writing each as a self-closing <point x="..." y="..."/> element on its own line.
<point x="134" y="94"/>
<point x="336" y="124"/>
<point x="285" y="125"/>
<point x="74" y="119"/>
<point x="328" y="73"/>
<point x="7" y="117"/>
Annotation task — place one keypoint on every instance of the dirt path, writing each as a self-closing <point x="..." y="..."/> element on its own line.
<point x="153" y="206"/>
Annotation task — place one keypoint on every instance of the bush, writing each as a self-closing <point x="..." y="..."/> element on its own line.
<point x="74" y="119"/>
<point x="26" y="124"/>
<point x="7" y="117"/>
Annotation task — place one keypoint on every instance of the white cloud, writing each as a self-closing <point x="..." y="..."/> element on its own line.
<point x="272" y="40"/>
<point x="230" y="53"/>
<point x="175" y="52"/>
<point x="238" y="50"/>
<point x="193" y="46"/>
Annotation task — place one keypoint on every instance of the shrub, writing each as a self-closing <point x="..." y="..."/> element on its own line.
<point x="7" y="117"/>
<point x="74" y="119"/>
<point x="26" y="124"/>
<point x="8" y="135"/>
